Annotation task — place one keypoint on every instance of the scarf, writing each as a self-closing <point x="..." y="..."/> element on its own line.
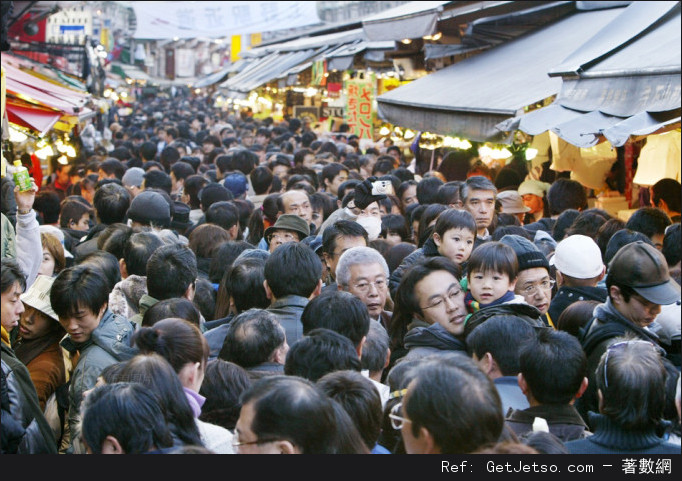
<point x="27" y="350"/>
<point x="474" y="306"/>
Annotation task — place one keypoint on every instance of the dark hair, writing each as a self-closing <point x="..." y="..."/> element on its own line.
<point x="501" y="335"/>
<point x="113" y="166"/>
<point x="494" y="256"/>
<point x="456" y="402"/>
<point x="395" y="223"/>
<point x="430" y="214"/>
<point x="319" y="352"/>
<point x="177" y="340"/>
<point x="222" y="214"/>
<point x="339" y="311"/>
<point x="397" y="253"/>
<point x="605" y="232"/>
<point x="194" y="184"/>
<point x="182" y="170"/>
<point x="72" y="210"/>
<point x="261" y="179"/>
<point x="575" y="316"/>
<point x="79" y="287"/>
<point x="128" y="412"/>
<point x="148" y="150"/>
<point x="563" y="223"/>
<point x="449" y="193"/>
<point x="621" y="238"/>
<point x="170" y="271"/>
<point x="223" y="257"/>
<point x="267" y="212"/>
<point x="667" y="190"/>
<point x="206" y="238"/>
<point x="406" y="304"/>
<point x="455" y="165"/>
<point x="587" y="224"/>
<point x="359" y="398"/>
<point x="427" y="190"/>
<point x="635" y="396"/>
<point x="650" y="221"/>
<point x="137" y="250"/>
<point x="178" y="307"/>
<point x="155" y="373"/>
<point x="501" y="231"/>
<point x="111" y="203"/>
<point x="11" y="274"/>
<point x="293" y="269"/>
<point x="113" y="238"/>
<point x="566" y="194"/>
<point x="47" y="203"/>
<point x="107" y="263"/>
<point x="341" y="228"/>
<point x="454" y="219"/>
<point x="243" y="283"/>
<point x="212" y="193"/>
<point x="252" y="338"/>
<point x="157" y="179"/>
<point x="292" y="408"/>
<point x="554" y="365"/>
<point x="224" y="383"/>
<point x="671" y="245"/>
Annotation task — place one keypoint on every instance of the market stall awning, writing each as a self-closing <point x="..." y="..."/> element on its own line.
<point x="220" y="75"/>
<point x="33" y="117"/>
<point x="410" y="20"/>
<point x="468" y="99"/>
<point x="129" y="71"/>
<point x="624" y="81"/>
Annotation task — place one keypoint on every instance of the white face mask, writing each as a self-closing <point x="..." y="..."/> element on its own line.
<point x="371" y="224"/>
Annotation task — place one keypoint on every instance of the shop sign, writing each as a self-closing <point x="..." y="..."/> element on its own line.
<point x="359" y="108"/>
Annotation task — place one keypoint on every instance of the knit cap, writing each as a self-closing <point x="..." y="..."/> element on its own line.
<point x="150" y="208"/>
<point x="528" y="255"/>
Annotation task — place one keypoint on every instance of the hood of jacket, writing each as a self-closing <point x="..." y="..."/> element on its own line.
<point x="434" y="336"/>
<point x="125" y="297"/>
<point x="112" y="335"/>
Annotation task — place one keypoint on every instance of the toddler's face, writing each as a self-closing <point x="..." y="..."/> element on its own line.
<point x="455" y="244"/>
<point x="487" y="287"/>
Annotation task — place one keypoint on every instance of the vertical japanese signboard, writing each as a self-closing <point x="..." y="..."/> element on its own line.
<point x="359" y="108"/>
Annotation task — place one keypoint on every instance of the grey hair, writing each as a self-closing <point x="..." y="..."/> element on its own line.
<point x="476" y="182"/>
<point x="358" y="255"/>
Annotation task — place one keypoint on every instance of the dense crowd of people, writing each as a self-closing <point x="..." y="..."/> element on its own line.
<point x="204" y="282"/>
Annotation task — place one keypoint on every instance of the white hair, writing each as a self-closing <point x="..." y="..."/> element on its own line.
<point x="355" y="256"/>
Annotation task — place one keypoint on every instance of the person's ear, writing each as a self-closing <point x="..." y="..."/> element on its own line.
<point x="427" y="441"/>
<point x="436" y="239"/>
<point x="268" y="292"/>
<point x="582" y="388"/>
<point x="362" y="345"/>
<point x="317" y="291"/>
<point x="123" y="268"/>
<point x="233" y="231"/>
<point x="600" y="399"/>
<point x="512" y="284"/>
<point x="615" y="294"/>
<point x="287" y="447"/>
<point x="603" y="273"/>
<point x="559" y="279"/>
<point x="191" y="290"/>
<point x="110" y="445"/>
<point x="522" y="383"/>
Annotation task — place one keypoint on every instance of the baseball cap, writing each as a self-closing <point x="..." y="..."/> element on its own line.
<point x="38" y="296"/>
<point x="236" y="183"/>
<point x="578" y="256"/>
<point x="643" y="268"/>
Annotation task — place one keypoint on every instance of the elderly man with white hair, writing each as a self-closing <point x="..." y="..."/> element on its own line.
<point x="363" y="272"/>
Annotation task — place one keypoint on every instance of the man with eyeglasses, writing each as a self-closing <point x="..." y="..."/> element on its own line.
<point x="534" y="282"/>
<point x="363" y="272"/>
<point x="638" y="283"/>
